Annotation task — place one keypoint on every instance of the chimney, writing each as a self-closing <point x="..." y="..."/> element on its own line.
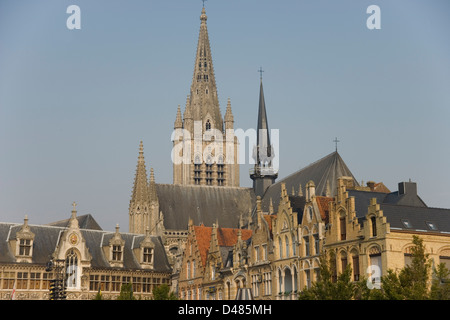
<point x="409" y="188"/>
<point x="371" y="185"/>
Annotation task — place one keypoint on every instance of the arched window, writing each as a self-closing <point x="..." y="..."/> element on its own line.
<point x="71" y="267"/>
<point x="208" y="125"/>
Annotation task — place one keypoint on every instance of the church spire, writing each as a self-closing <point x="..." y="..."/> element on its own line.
<point x="204" y="102"/>
<point x="263" y="139"/>
<point x="263" y="174"/>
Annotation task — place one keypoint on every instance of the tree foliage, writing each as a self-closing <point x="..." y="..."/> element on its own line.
<point x="162" y="292"/>
<point x="126" y="292"/>
<point x="416" y="281"/>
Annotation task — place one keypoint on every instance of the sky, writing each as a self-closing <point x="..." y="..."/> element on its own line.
<point x="75" y="103"/>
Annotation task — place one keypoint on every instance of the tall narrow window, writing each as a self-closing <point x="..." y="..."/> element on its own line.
<point x="209" y="172"/>
<point x="280" y="248"/>
<point x="343" y="228"/>
<point x="343" y="262"/>
<point x="71" y="266"/>
<point x="373" y="221"/>
<point x="220" y="174"/>
<point x="316" y="244"/>
<point x="197" y="174"/>
<point x="287" y="246"/>
<point x="355" y="268"/>
<point x="307" y="249"/>
<point x="208" y="125"/>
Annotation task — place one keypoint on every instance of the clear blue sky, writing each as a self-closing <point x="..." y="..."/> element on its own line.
<point x="74" y="104"/>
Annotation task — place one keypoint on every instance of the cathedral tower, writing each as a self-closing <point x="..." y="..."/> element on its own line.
<point x="205" y="150"/>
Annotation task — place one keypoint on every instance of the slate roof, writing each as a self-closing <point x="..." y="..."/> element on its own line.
<point x="86" y="221"/>
<point x="418" y="217"/>
<point x="203" y="204"/>
<point x="402" y="205"/>
<point x="323" y="171"/>
<point x="362" y="200"/>
<point x="47" y="237"/>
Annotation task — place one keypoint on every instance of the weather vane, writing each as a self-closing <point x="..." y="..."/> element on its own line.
<point x="204" y="2"/>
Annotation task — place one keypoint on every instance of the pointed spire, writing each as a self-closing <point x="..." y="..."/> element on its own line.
<point x="203" y="97"/>
<point x="140" y="194"/>
<point x="263" y="174"/>
<point x="229" y="119"/>
<point x="300" y="191"/>
<point x="152" y="187"/>
<point x="178" y="121"/>
<point x="187" y="111"/>
<point x="263" y="153"/>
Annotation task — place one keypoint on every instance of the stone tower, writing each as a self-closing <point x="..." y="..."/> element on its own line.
<point x="205" y="149"/>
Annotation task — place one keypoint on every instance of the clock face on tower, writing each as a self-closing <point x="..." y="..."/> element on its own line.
<point x="73" y="239"/>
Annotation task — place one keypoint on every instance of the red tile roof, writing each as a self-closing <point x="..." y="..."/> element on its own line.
<point x="324" y="207"/>
<point x="227" y="237"/>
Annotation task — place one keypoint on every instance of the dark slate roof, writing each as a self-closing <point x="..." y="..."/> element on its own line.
<point x="327" y="169"/>
<point x="362" y="198"/>
<point x="5" y="252"/>
<point x="47" y="237"/>
<point x="418" y="217"/>
<point x="86" y="221"/>
<point x="203" y="204"/>
<point x="403" y="205"/>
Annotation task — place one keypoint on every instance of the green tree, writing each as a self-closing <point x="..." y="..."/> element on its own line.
<point x="440" y="286"/>
<point x="411" y="282"/>
<point x="98" y="296"/>
<point x="126" y="292"/>
<point x="330" y="286"/>
<point x="162" y="292"/>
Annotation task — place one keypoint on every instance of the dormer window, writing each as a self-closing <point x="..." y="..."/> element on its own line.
<point x="116" y="247"/>
<point x="117" y="253"/>
<point x="146" y="251"/>
<point x="432" y="226"/>
<point x="147" y="255"/>
<point x="24" y="243"/>
<point x="407" y="224"/>
<point x="24" y="247"/>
